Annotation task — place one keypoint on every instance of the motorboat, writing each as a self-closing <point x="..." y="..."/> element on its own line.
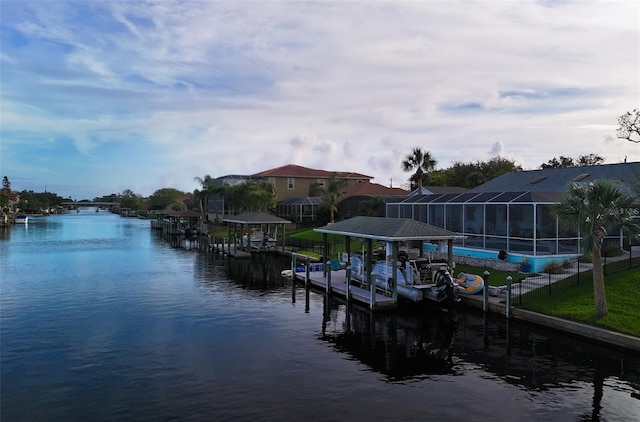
<point x="417" y="279"/>
<point x="260" y="240"/>
<point x="21" y="219"/>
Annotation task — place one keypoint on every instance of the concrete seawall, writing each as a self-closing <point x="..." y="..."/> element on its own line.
<point x="587" y="331"/>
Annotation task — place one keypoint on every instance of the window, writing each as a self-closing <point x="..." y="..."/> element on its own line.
<point x="272" y="181"/>
<point x="290" y="183"/>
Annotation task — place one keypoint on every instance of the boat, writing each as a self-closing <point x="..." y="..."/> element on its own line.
<point x="469" y="284"/>
<point x="259" y="240"/>
<point x="21" y="219"/>
<point x="313" y="267"/>
<point x="418" y="279"/>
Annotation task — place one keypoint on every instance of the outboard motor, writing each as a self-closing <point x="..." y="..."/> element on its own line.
<point x="444" y="285"/>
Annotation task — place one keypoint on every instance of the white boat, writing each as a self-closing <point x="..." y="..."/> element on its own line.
<point x="21" y="219"/>
<point x="260" y="240"/>
<point x="418" y="279"/>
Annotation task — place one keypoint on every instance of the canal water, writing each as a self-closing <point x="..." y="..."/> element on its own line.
<point x="102" y="320"/>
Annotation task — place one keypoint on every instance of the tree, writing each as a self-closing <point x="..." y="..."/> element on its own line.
<point x="371" y="206"/>
<point x="470" y="175"/>
<point x="202" y="195"/>
<point x="130" y="199"/>
<point x="629" y="126"/>
<point x="421" y="164"/>
<point x="582" y="160"/>
<point x="332" y="195"/>
<point x="589" y="160"/>
<point x="556" y="163"/>
<point x="315" y="189"/>
<point x="163" y="197"/>
<point x="6" y="184"/>
<point x="592" y="209"/>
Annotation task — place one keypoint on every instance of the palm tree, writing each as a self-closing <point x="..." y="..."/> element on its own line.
<point x="203" y="195"/>
<point x="592" y="209"/>
<point x="332" y="195"/>
<point x="421" y="163"/>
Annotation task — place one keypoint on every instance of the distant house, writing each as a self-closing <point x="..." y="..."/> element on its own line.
<point x="217" y="207"/>
<point x="513" y="211"/>
<point x="356" y="199"/>
<point x="13" y="199"/>
<point x="292" y="181"/>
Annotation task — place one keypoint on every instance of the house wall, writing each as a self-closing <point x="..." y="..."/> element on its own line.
<point x="301" y="185"/>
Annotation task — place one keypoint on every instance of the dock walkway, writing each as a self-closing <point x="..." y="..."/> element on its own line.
<point x="336" y="284"/>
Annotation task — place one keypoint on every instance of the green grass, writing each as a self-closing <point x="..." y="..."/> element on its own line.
<point x="577" y="303"/>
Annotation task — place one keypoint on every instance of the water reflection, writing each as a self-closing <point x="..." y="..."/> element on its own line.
<point x="418" y="343"/>
<point x="400" y="345"/>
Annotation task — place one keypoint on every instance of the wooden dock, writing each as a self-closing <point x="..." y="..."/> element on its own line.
<point x="335" y="283"/>
<point x="230" y="250"/>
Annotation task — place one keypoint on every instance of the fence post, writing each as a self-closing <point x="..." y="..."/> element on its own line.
<point x="485" y="295"/>
<point x="509" y="280"/>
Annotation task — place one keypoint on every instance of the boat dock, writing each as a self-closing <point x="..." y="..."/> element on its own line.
<point x="335" y="283"/>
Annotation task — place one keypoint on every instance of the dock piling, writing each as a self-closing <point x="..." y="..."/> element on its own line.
<point x="485" y="292"/>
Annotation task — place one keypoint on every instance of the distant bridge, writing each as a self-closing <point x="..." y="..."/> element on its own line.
<point x="91" y="204"/>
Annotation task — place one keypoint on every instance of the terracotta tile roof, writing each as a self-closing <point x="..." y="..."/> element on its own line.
<point x="292" y="170"/>
<point x="372" y="189"/>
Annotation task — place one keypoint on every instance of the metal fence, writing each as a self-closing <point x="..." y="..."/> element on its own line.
<point x="571" y="275"/>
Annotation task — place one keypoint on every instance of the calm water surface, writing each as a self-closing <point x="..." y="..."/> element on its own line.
<point x="102" y="320"/>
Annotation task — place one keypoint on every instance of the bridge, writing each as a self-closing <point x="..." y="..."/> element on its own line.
<point x="90" y="204"/>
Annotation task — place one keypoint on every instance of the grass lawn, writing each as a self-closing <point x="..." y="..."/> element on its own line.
<point x="576" y="303"/>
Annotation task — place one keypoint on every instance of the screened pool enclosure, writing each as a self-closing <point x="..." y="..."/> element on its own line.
<point x="299" y="209"/>
<point x="516" y="222"/>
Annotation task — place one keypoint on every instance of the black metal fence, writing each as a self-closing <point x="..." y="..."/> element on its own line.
<point x="545" y="284"/>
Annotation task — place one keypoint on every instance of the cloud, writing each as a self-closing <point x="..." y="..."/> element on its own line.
<point x="193" y="88"/>
<point x="496" y="149"/>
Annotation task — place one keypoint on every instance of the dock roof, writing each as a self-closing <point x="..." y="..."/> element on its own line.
<point x="388" y="229"/>
<point x="256" y="218"/>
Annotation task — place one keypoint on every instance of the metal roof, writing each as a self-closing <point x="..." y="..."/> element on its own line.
<point x="388" y="229"/>
<point x="256" y="218"/>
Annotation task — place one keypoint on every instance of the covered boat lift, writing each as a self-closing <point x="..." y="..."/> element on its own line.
<point x="393" y="231"/>
<point x="247" y="220"/>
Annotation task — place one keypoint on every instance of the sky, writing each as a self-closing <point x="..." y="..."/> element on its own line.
<point x="97" y="97"/>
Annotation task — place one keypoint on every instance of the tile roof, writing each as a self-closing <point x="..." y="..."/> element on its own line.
<point x="292" y="170"/>
<point x="372" y="189"/>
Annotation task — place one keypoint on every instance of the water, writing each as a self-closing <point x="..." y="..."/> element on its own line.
<point x="102" y="320"/>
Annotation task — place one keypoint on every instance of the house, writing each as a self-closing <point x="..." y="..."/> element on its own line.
<point x="293" y="181"/>
<point x="361" y="198"/>
<point x="512" y="212"/>
<point x="13" y="199"/>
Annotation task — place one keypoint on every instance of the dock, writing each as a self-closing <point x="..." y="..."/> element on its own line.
<point x="334" y="282"/>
